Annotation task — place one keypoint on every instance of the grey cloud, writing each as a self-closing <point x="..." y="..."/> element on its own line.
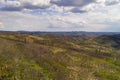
<point x="30" y="6"/>
<point x="78" y="5"/>
<point x="78" y="10"/>
<point x="10" y="8"/>
<point x="18" y="5"/>
<point x="113" y="2"/>
<point x="75" y="3"/>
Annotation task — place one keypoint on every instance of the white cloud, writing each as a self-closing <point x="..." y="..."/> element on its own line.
<point x="43" y="22"/>
<point x="1" y="25"/>
<point x="31" y="15"/>
<point x="46" y="22"/>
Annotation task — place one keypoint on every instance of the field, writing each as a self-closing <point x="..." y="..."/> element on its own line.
<point x="26" y="56"/>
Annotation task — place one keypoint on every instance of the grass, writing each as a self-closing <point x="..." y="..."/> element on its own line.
<point x="44" y="57"/>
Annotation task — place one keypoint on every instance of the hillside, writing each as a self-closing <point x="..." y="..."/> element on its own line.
<point x="110" y="40"/>
<point x="59" y="57"/>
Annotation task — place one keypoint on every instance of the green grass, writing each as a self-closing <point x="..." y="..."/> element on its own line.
<point x="44" y="57"/>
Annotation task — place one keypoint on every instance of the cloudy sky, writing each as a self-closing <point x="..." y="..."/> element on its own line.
<point x="60" y="15"/>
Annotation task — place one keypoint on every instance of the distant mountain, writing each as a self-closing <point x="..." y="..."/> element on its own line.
<point x="66" y="33"/>
<point x="74" y="33"/>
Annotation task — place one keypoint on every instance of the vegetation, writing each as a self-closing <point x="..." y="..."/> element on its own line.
<point x="59" y="57"/>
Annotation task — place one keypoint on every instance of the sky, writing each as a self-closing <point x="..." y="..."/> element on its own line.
<point x="60" y="15"/>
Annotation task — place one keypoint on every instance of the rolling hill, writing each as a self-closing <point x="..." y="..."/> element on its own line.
<point x="26" y="56"/>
